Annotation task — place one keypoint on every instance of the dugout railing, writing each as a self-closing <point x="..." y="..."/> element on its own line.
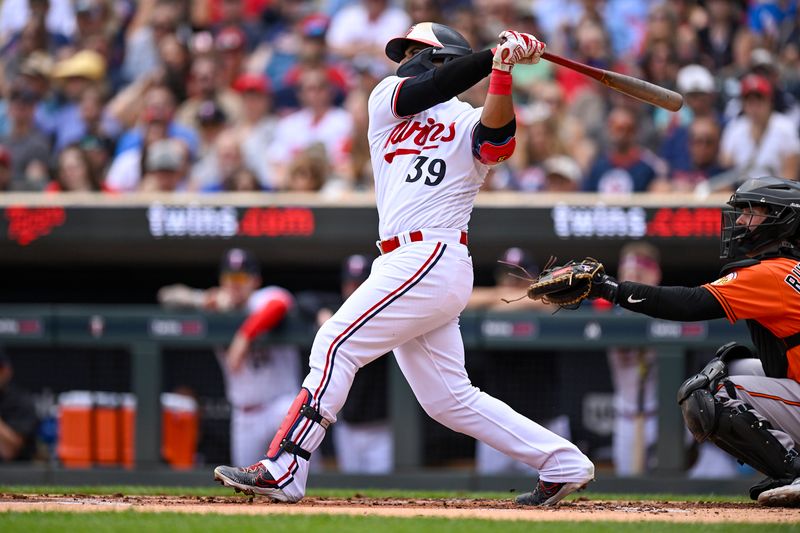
<point x="145" y="331"/>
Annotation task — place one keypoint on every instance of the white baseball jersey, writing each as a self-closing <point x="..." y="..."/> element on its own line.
<point x="425" y="174"/>
<point x="268" y="371"/>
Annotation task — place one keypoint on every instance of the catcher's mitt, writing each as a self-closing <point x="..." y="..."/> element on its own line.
<point x="566" y="285"/>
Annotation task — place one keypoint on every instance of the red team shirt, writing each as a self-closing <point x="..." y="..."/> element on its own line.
<point x="768" y="292"/>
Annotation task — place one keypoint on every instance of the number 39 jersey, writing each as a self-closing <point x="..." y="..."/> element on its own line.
<point x="425" y="173"/>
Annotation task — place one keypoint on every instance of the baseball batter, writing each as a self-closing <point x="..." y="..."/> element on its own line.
<point x="430" y="153"/>
<point x="745" y="403"/>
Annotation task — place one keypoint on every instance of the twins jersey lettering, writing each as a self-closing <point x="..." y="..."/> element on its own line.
<point x="425" y="174"/>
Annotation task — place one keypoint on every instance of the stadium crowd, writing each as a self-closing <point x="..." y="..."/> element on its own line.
<point x="244" y="95"/>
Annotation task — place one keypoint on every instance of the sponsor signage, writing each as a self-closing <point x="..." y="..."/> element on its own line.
<point x="510" y="328"/>
<point x="176" y="327"/>
<point x="21" y="327"/>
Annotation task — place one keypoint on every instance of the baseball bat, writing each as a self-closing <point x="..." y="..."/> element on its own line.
<point x="641" y="90"/>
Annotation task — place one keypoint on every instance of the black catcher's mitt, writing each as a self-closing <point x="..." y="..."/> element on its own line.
<point x="567" y="285"/>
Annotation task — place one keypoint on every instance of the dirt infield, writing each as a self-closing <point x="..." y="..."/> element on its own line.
<point x="582" y="509"/>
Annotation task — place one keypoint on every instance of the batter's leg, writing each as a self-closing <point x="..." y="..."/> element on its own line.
<point x="433" y="364"/>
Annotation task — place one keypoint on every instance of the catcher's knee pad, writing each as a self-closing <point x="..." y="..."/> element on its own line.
<point x="301" y="425"/>
<point x="699" y="411"/>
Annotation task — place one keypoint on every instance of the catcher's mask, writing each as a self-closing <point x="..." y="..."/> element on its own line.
<point x="443" y="43"/>
<point x="781" y="197"/>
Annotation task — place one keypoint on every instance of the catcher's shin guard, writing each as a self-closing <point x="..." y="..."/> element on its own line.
<point x="301" y="432"/>
<point x="740" y="433"/>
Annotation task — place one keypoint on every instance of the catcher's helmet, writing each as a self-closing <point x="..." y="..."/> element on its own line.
<point x="781" y="197"/>
<point x="443" y="42"/>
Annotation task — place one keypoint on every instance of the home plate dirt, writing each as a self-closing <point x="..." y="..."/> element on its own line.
<point x="583" y="509"/>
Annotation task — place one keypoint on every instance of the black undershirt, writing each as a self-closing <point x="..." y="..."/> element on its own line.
<point x="670" y="303"/>
<point x="442" y="83"/>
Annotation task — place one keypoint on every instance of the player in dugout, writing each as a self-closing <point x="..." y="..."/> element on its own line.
<point x="743" y="401"/>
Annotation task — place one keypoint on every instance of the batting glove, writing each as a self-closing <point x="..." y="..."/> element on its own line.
<point x="516" y="47"/>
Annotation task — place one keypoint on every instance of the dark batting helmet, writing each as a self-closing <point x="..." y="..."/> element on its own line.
<point x="442" y="42"/>
<point x="781" y="198"/>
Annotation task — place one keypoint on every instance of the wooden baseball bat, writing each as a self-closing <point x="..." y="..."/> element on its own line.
<point x="639" y="89"/>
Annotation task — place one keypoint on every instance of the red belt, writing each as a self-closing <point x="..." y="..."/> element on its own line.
<point x="393" y="243"/>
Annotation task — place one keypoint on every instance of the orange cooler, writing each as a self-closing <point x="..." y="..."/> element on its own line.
<point x="128" y="437"/>
<point x="107" y="429"/>
<point x="179" y="428"/>
<point x="74" y="447"/>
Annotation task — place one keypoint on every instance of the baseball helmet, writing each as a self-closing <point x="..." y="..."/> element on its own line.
<point x="442" y="42"/>
<point x="781" y="197"/>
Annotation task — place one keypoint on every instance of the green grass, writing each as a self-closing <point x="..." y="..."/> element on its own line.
<point x="138" y="522"/>
<point x="133" y="490"/>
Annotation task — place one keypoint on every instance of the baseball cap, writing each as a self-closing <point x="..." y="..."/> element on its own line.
<point x="84" y="64"/>
<point x="753" y="83"/>
<point x="230" y="38"/>
<point x="238" y="260"/>
<point x="563" y="166"/>
<point x="37" y="64"/>
<point x="209" y="112"/>
<point x="762" y="58"/>
<point x="165" y="155"/>
<point x="695" y="79"/>
<point x="252" y="82"/>
<point x="314" y="25"/>
<point x="356" y="268"/>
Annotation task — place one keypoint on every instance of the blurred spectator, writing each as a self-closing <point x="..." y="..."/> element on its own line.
<point x="165" y="166"/>
<point x="18" y="420"/>
<point x="25" y="142"/>
<point x="5" y="169"/>
<point x="33" y="36"/>
<point x="362" y="434"/>
<point x="58" y="16"/>
<point x="703" y="142"/>
<point x="697" y="86"/>
<point x="218" y="165"/>
<point x="763" y="63"/>
<point x="205" y="83"/>
<point x="149" y="102"/>
<point x="176" y="61"/>
<point x="368" y="72"/>
<point x="761" y="141"/>
<point x="230" y="45"/>
<point x="308" y="170"/>
<point x="240" y="14"/>
<point x="716" y="34"/>
<point x="365" y="27"/>
<point x="319" y="121"/>
<point x="625" y="166"/>
<point x="257" y="126"/>
<point x="154" y="20"/>
<point x="424" y="11"/>
<point x="127" y="168"/>
<point x="99" y="151"/>
<point x="74" y="172"/>
<point x="241" y="180"/>
<point x="537" y="140"/>
<point x="261" y="381"/>
<point x="313" y="53"/>
<point x="634" y="375"/>
<point x="561" y="174"/>
<point x="211" y="121"/>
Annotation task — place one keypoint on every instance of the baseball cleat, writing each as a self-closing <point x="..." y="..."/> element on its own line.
<point x="547" y="493"/>
<point x="254" y="479"/>
<point x="785" y="496"/>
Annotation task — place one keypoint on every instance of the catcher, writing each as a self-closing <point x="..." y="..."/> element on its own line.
<point x="745" y="402"/>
